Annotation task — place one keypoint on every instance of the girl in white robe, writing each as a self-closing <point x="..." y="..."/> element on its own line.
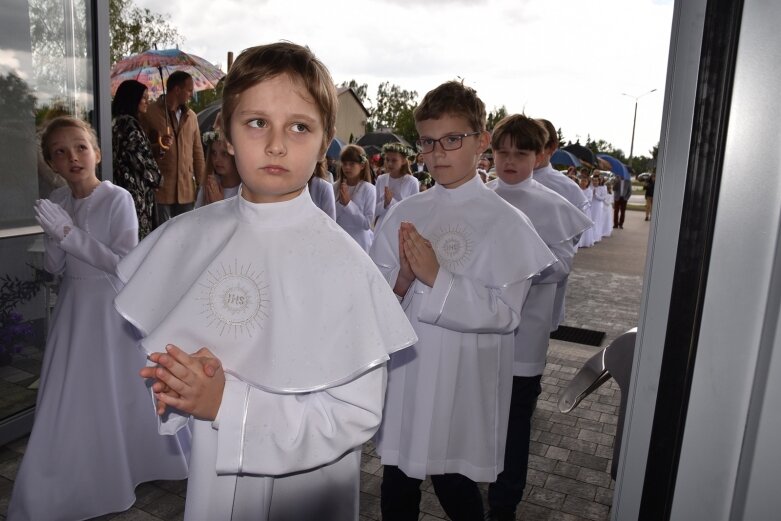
<point x="298" y="321"/>
<point x="93" y="439"/>
<point x="397" y="184"/>
<point x="607" y="220"/>
<point x="597" y="207"/>
<point x="355" y="195"/>
<point x="587" y="238"/>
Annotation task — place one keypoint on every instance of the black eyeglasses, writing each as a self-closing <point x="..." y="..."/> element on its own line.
<point x="449" y="142"/>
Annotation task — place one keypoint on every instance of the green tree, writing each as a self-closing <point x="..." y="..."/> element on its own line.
<point x="495" y="116"/>
<point x="133" y="30"/>
<point x="560" y="135"/>
<point x="405" y="125"/>
<point x="391" y="102"/>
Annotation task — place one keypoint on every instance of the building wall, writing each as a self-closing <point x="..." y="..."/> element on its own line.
<point x="351" y="118"/>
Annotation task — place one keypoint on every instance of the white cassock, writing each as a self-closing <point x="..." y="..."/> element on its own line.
<point x="303" y="323"/>
<point x="569" y="190"/>
<point x="357" y="216"/>
<point x="448" y="396"/>
<point x="94" y="438"/>
<point x="597" y="211"/>
<point x="402" y="187"/>
<point x="587" y="238"/>
<point x="557" y="222"/>
<point x="607" y="223"/>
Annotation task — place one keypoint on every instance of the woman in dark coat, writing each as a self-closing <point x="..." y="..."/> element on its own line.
<point x="135" y="168"/>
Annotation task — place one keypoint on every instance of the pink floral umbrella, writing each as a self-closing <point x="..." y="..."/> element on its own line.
<point x="151" y="66"/>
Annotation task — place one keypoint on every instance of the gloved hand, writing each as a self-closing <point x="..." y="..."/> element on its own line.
<point x="55" y="221"/>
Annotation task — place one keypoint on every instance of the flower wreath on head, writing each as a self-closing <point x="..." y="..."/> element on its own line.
<point x="210" y="137"/>
<point x="364" y="159"/>
<point x="396" y="147"/>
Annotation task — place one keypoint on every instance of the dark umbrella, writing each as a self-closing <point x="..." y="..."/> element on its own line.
<point x="616" y="166"/>
<point x="582" y="153"/>
<point x="335" y="148"/>
<point x="562" y="157"/>
<point x="372" y="150"/>
<point x="378" y="139"/>
<point x="207" y="116"/>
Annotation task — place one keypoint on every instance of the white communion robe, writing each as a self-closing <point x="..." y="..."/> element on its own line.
<point x="569" y="190"/>
<point x="557" y="222"/>
<point x="304" y="387"/>
<point x="597" y="211"/>
<point x="358" y="215"/>
<point x="94" y="438"/>
<point x="587" y="238"/>
<point x="402" y="187"/>
<point x="607" y="221"/>
<point x="448" y="396"/>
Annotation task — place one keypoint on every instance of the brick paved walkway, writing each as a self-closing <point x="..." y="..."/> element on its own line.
<point x="569" y="464"/>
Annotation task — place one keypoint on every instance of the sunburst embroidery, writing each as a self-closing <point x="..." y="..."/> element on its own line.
<point x="235" y="299"/>
<point x="454" y="247"/>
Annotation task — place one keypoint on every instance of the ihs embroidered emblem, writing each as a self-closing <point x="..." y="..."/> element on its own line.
<point x="453" y="247"/>
<point x="235" y="299"/>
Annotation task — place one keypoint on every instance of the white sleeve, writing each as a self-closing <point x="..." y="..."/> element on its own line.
<point x="123" y="231"/>
<point x="359" y="212"/>
<point x="54" y="256"/>
<point x="273" y="434"/>
<point x="564" y="252"/>
<point x="327" y="200"/>
<point x="379" y="192"/>
<point x="462" y="304"/>
<point x="409" y="187"/>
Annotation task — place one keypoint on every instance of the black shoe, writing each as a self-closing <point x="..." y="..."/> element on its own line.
<point x="504" y="516"/>
<point x="646" y="218"/>
<point x="621" y="226"/>
<point x="615" y="226"/>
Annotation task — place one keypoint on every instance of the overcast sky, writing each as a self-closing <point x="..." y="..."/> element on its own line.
<point x="565" y="60"/>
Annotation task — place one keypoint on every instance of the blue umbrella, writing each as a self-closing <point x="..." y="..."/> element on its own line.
<point x="562" y="157"/>
<point x="335" y="148"/>
<point x="616" y="166"/>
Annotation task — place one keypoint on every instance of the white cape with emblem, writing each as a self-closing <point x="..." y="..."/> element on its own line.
<point x="284" y="298"/>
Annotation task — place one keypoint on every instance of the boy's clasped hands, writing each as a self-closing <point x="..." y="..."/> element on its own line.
<point x="190" y="383"/>
<point x="417" y="259"/>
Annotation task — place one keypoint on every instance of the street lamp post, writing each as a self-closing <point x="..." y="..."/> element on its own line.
<point x="634" y="120"/>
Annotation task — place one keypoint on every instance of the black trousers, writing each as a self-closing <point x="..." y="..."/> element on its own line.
<point x="400" y="496"/>
<point x="619" y="211"/>
<point x="505" y="494"/>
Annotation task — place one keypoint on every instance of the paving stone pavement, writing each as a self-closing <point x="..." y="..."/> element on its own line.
<point x="570" y="454"/>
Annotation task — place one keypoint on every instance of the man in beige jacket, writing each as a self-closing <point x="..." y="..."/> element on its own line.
<point x="176" y="141"/>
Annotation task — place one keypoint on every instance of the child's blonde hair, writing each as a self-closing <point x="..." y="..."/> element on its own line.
<point x="59" y="123"/>
<point x="261" y="63"/>
<point x="355" y="154"/>
<point x="453" y="98"/>
<point x="524" y="133"/>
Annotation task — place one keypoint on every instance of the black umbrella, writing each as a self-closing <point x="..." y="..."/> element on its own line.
<point x="378" y="139"/>
<point x="207" y="116"/>
<point x="582" y="153"/>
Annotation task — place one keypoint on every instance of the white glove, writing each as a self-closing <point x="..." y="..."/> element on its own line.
<point x="55" y="221"/>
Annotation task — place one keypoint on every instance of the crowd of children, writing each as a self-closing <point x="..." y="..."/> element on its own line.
<point x="314" y="318"/>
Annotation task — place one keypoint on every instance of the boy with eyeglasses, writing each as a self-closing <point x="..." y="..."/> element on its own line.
<point x="460" y="260"/>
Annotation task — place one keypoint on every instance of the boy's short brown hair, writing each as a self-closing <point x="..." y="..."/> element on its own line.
<point x="524" y="133"/>
<point x="264" y="62"/>
<point x="453" y="98"/>
<point x="61" y="122"/>
<point x="553" y="136"/>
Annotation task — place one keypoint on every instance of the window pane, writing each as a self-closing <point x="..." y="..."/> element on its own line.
<point x="46" y="70"/>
